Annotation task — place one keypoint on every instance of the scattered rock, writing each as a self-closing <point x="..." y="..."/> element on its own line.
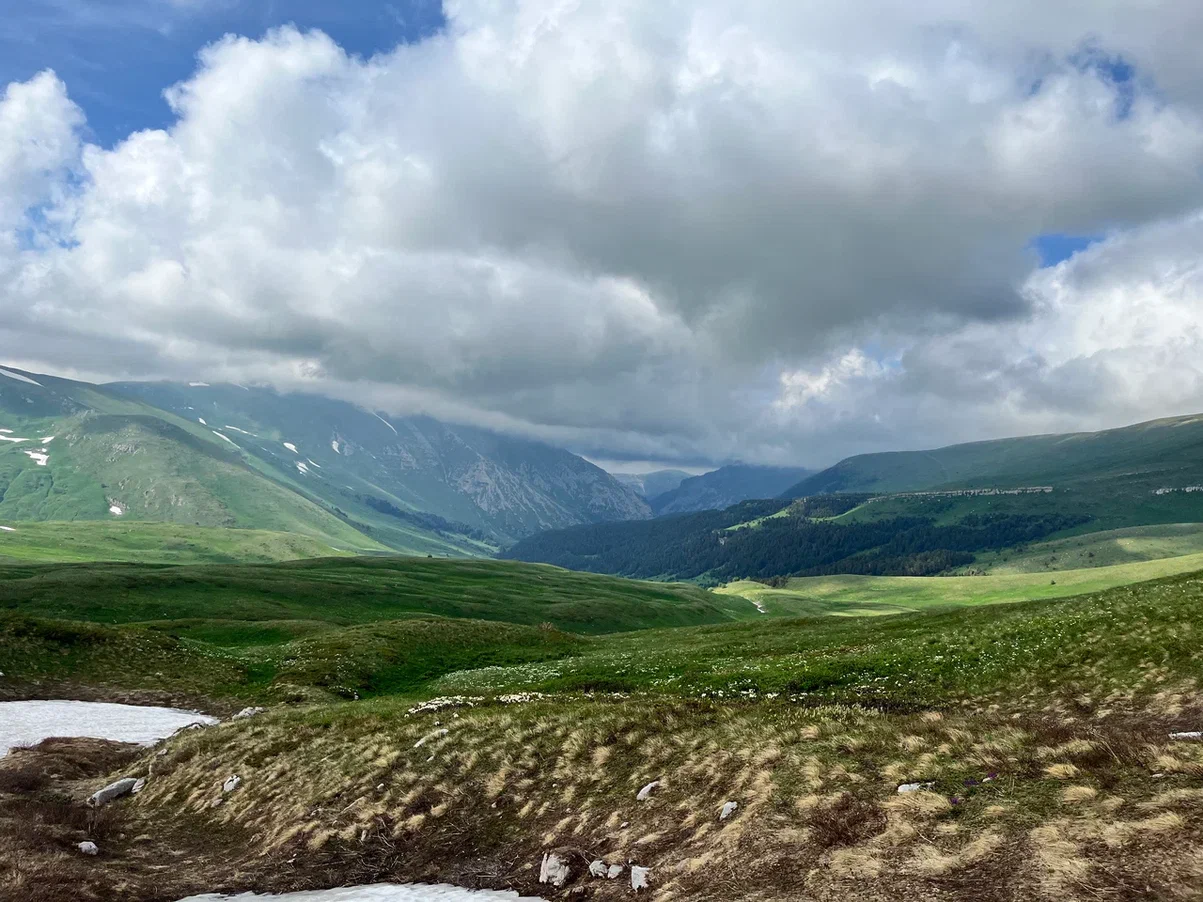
<point x="646" y="792"/>
<point x="614" y="871"/>
<point x="139" y="786"/>
<point x="597" y="868"/>
<point x="437" y="734"/>
<point x="1190" y="734"/>
<point x="217" y="803"/>
<point x="115" y="790"/>
<point x="554" y="870"/>
<point x="639" y="877"/>
<point x="912" y="787"/>
<point x="247" y="712"/>
<point x="88" y="847"/>
<point x="232" y="782"/>
<point x="728" y="810"/>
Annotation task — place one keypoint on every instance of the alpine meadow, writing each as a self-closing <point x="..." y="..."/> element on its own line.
<point x="535" y="451"/>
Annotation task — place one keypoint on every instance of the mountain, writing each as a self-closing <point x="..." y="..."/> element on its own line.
<point x="402" y="472"/>
<point x="253" y="458"/>
<point x="649" y="485"/>
<point x="1165" y="453"/>
<point x="73" y="451"/>
<point x="721" y="488"/>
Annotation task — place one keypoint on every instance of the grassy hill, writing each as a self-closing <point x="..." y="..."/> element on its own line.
<point x="1096" y="549"/>
<point x="152" y="543"/>
<point x="1166" y="453"/>
<point x="1039" y="738"/>
<point x="348" y="591"/>
<point x="869" y="596"/>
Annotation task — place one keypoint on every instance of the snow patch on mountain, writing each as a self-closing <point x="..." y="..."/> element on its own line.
<point x="224" y="438"/>
<point x="290" y="446"/>
<point x="18" y="377"/>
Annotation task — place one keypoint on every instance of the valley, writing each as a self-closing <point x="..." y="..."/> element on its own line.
<point x="845" y="695"/>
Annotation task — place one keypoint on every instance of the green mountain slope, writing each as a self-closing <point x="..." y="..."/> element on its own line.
<point x="403" y="473"/>
<point x="1166" y="453"/>
<point x="72" y="451"/>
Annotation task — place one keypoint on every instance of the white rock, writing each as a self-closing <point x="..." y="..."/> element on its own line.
<point x="429" y="736"/>
<point x="728" y="810"/>
<point x="114" y="790"/>
<point x="912" y="787"/>
<point x="139" y="786"/>
<point x="1190" y="734"/>
<point x="247" y="712"/>
<point x="597" y="868"/>
<point x="646" y="792"/>
<point x="554" y="870"/>
<point x="232" y="782"/>
<point x="639" y="877"/>
<point x="88" y="847"/>
<point x="614" y="871"/>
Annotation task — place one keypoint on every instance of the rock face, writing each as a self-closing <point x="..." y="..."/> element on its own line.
<point x="554" y="870"/>
<point x="114" y="790"/>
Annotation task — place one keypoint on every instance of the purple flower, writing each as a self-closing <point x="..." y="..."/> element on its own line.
<point x="955" y="800"/>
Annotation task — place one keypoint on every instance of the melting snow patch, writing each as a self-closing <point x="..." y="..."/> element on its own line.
<point x="334" y="445"/>
<point x="380" y="892"/>
<point x="386" y="423"/>
<point x="28" y="723"/>
<point x="7" y="529"/>
<point x="6" y="438"/>
<point x="7" y="431"/>
<point x="554" y="870"/>
<point x="47" y="439"/>
<point x="39" y="457"/>
<point x="312" y="464"/>
<point x="1190" y="734"/>
<point x="198" y="384"/>
<point x="236" y="429"/>
<point x="291" y="447"/>
<point x="17" y="376"/>
<point x="116" y="510"/>
<point x="201" y="420"/>
<point x="225" y="438"/>
<point x="302" y="468"/>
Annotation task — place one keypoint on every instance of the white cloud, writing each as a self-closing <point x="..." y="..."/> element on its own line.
<point x="706" y="230"/>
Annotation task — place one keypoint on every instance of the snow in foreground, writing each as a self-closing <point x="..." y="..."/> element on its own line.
<point x="28" y="723"/>
<point x="380" y="892"/>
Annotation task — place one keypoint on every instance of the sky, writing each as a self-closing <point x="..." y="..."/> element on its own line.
<point x="680" y="233"/>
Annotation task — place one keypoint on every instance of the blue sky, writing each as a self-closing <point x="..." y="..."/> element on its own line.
<point x="117" y="56"/>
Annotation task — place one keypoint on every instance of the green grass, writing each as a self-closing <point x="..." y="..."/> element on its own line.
<point x="1104" y="641"/>
<point x="152" y="543"/>
<point x="866" y="596"/>
<point x="344" y="592"/>
<point x="1097" y="549"/>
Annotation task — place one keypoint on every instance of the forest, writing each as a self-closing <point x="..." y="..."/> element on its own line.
<point x="802" y="542"/>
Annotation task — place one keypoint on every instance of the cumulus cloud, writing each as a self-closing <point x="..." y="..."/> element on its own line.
<point x="684" y="231"/>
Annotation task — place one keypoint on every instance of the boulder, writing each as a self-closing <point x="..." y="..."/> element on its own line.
<point x="597" y="868"/>
<point x="639" y="877"/>
<point x="232" y="782"/>
<point x="247" y="712"/>
<point x="88" y="848"/>
<point x="728" y="810"/>
<point x="114" y="790"/>
<point x="614" y="871"/>
<point x="554" y="870"/>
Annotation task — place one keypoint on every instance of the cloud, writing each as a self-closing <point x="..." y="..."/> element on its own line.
<point x="668" y="231"/>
